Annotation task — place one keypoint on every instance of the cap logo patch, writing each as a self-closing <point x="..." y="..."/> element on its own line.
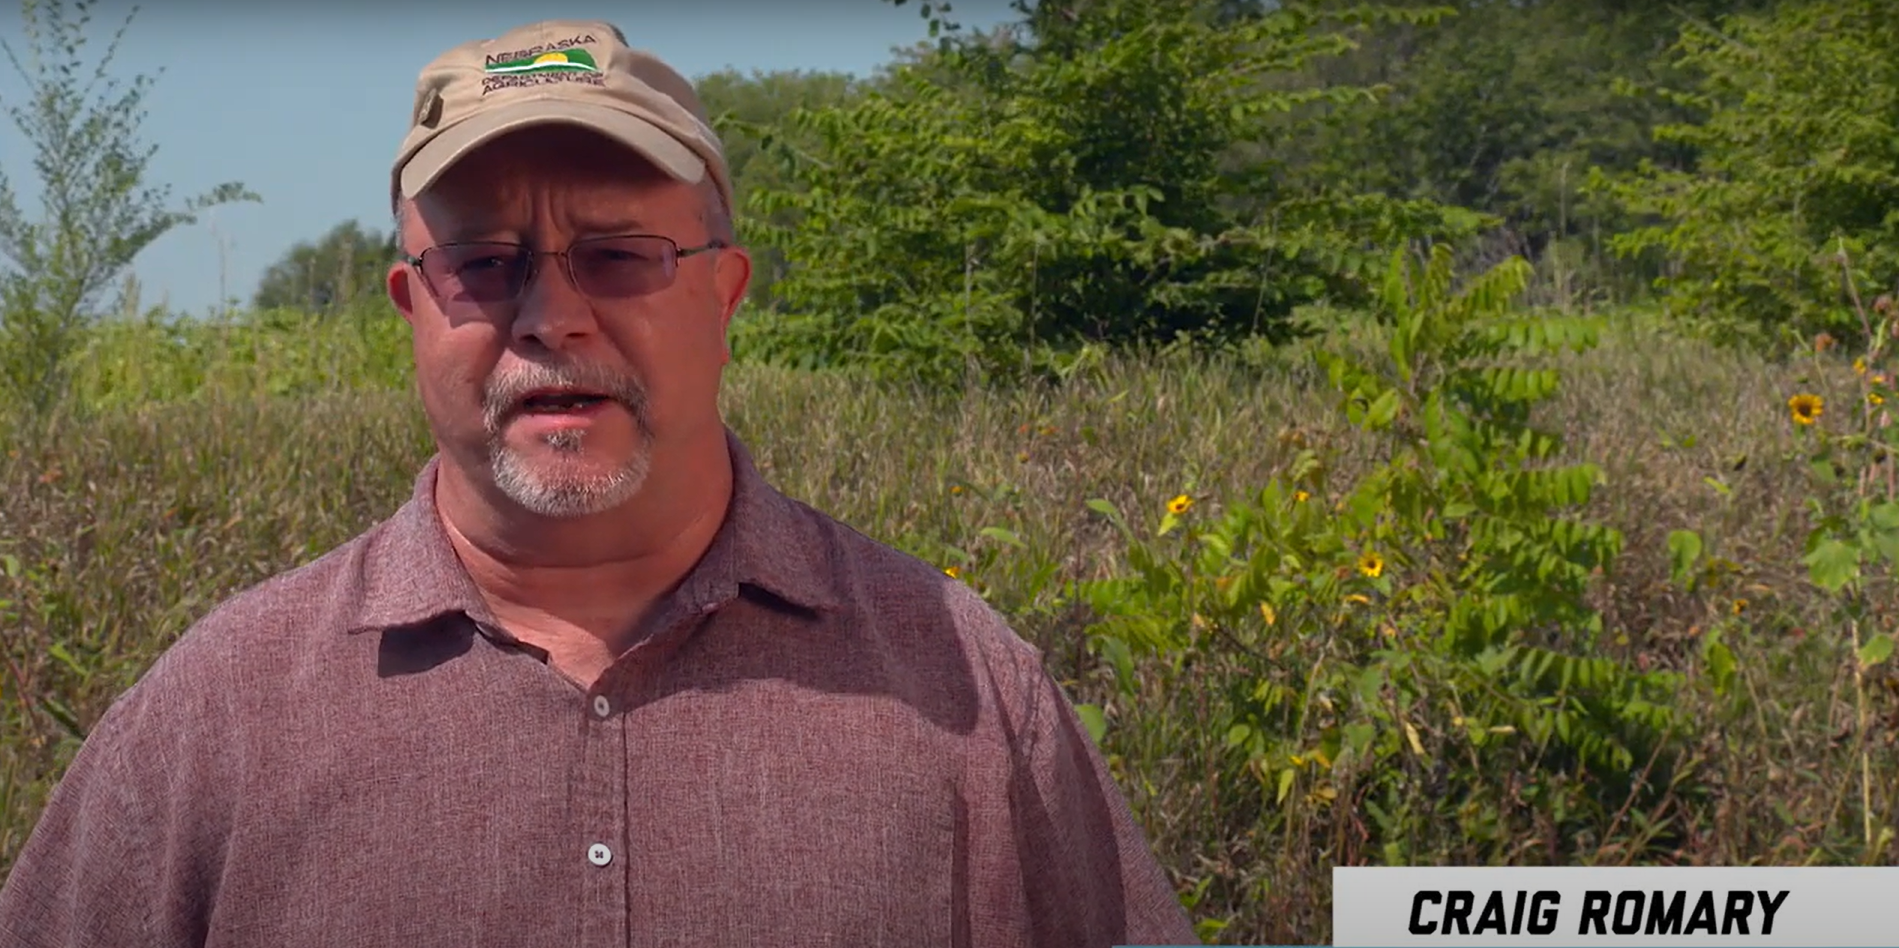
<point x="564" y="61"/>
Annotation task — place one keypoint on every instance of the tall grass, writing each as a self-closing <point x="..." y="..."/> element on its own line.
<point x="196" y="460"/>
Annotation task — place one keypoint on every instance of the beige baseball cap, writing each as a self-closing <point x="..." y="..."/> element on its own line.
<point x="566" y="72"/>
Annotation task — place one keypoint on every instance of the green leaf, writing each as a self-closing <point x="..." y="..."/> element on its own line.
<point x="1359" y="737"/>
<point x="1238" y="734"/>
<point x="1209" y="929"/>
<point x="1004" y="536"/>
<point x="1875" y="650"/>
<point x="1093" y="720"/>
<point x="57" y="650"/>
<point x="1721" y="663"/>
<point x="63" y="714"/>
<point x="1684" y="549"/>
<point x="1120" y="657"/>
<point x="1108" y="510"/>
<point x="1383" y="410"/>
<point x="1832" y="564"/>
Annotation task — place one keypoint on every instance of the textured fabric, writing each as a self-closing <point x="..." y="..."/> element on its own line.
<point x="829" y="743"/>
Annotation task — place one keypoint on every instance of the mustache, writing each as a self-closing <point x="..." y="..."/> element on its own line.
<point x="501" y="395"/>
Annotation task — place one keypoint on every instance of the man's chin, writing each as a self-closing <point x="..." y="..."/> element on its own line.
<point x="557" y="485"/>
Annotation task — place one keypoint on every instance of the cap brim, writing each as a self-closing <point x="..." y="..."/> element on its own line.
<point x="458" y="141"/>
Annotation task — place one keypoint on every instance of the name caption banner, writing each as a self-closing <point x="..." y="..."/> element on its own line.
<point x="1393" y="906"/>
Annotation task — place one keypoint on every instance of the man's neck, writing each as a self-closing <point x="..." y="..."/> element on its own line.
<point x="561" y="582"/>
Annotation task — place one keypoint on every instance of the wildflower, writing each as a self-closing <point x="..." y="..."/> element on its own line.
<point x="1806" y="408"/>
<point x="1876" y="398"/>
<point x="1859" y="365"/>
<point x="1823" y="342"/>
<point x="1740" y="606"/>
<point x="952" y="572"/>
<point x="1300" y="497"/>
<point x="1179" y="505"/>
<point x="1371" y="564"/>
<point x="1266" y="612"/>
<point x="1879" y="378"/>
<point x="956" y="488"/>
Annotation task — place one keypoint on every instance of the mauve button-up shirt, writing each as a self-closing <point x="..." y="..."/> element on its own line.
<point x="826" y="742"/>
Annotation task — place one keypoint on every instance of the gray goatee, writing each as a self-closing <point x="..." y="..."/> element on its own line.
<point x="561" y="486"/>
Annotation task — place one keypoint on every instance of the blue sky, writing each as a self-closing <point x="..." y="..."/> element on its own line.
<point x="305" y="103"/>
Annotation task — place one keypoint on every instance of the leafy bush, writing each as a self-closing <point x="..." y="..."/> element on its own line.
<point x="1798" y="169"/>
<point x="1448" y="584"/>
<point x="1068" y="191"/>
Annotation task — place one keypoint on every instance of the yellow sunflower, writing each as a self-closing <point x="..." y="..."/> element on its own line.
<point x="1371" y="564"/>
<point x="1806" y="408"/>
<point x="1179" y="505"/>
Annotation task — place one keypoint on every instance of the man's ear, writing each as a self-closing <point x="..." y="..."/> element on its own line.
<point x="401" y="284"/>
<point x="732" y="276"/>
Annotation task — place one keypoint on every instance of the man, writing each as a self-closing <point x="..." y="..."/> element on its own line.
<point x="597" y="683"/>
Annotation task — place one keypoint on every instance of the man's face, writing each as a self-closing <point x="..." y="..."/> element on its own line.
<point x="565" y="401"/>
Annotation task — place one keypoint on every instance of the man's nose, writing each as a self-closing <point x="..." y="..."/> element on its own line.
<point x="551" y="310"/>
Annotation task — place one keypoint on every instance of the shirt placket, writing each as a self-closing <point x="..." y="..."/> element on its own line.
<point x="601" y="846"/>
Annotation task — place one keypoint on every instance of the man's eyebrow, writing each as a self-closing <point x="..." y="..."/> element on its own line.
<point x="482" y="230"/>
<point x="605" y="226"/>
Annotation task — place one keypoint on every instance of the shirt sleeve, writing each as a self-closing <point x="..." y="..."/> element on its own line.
<point x="97" y="867"/>
<point x="1090" y="877"/>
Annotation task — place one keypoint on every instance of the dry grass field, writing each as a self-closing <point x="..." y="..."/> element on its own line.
<point x="126" y="521"/>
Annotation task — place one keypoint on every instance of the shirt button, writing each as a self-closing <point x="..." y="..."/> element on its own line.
<point x="599" y="854"/>
<point x="601" y="707"/>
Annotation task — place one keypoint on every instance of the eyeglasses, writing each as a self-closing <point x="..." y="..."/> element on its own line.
<point x="604" y="268"/>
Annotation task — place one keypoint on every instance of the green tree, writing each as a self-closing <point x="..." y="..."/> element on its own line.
<point x="98" y="210"/>
<point x="345" y="266"/>
<point x="749" y="110"/>
<point x="1506" y="106"/>
<point x="1069" y="186"/>
<point x="1792" y="206"/>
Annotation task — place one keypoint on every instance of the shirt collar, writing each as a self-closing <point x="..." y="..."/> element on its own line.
<point x="412" y="574"/>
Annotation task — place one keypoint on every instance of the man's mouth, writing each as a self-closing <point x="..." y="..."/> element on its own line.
<point x="557" y="401"/>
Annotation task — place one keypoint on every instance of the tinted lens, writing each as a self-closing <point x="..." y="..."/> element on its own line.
<point x="619" y="267"/>
<point x="479" y="273"/>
